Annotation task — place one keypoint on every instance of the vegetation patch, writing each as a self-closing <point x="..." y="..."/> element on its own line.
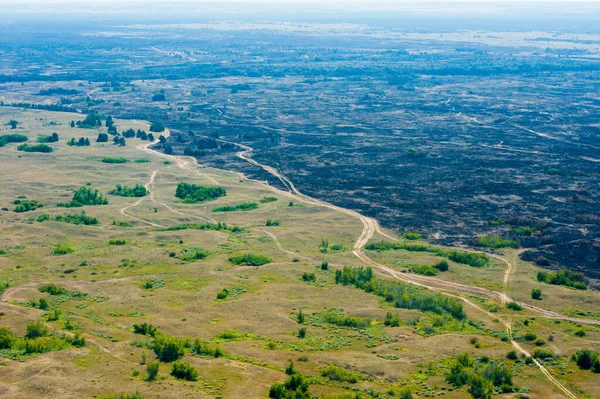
<point x="12" y="138"/>
<point x="567" y="278"/>
<point x="266" y="200"/>
<point x="85" y="196"/>
<point x="245" y="206"/>
<point x="72" y="218"/>
<point x="193" y="194"/>
<point x="35" y="148"/>
<point x="193" y="254"/>
<point x="23" y="205"/>
<point x="38" y="339"/>
<point x="114" y="160"/>
<point x="409" y="235"/>
<point x="124" y="191"/>
<point x="250" y="260"/>
<point x="424" y="270"/>
<point x="82" y="142"/>
<point x="203" y="226"/>
<point x="494" y="241"/>
<point x="400" y="294"/>
<point x="475" y="259"/>
<point x="62" y="249"/>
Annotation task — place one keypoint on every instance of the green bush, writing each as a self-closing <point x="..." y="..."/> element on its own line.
<point x="407" y="235"/>
<point x="192" y="194"/>
<point x="157" y="127"/>
<point x="35" y="148"/>
<point x="543" y="354"/>
<point x="567" y="278"/>
<point x="168" y="349"/>
<point x="184" y="371"/>
<point x="335" y="373"/>
<point x="309" y="277"/>
<point x="114" y="160"/>
<point x="391" y="320"/>
<point x="402" y="295"/>
<point x="73" y="218"/>
<point x="85" y="196"/>
<point x="145" y="329"/>
<point x="250" y="260"/>
<point x="193" y="254"/>
<point x="266" y="200"/>
<point x="62" y="249"/>
<point x="424" y="270"/>
<point x="52" y="289"/>
<point x="117" y="241"/>
<point x="222" y="294"/>
<point x="12" y="138"/>
<point x="442" y="265"/>
<point x="536" y="293"/>
<point x="295" y="387"/>
<point x="475" y="259"/>
<point x="245" y="206"/>
<point x="7" y="337"/>
<point x="587" y="360"/>
<point x="48" y="139"/>
<point x="26" y="205"/>
<point x="514" y="306"/>
<point x="152" y="370"/>
<point x="35" y="330"/>
<point x="124" y="191"/>
<point x="493" y="241"/>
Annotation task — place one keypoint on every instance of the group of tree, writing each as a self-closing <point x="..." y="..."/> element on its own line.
<point x="400" y="294"/>
<point x="157" y="127"/>
<point x="564" y="277"/>
<point x="245" y="206"/>
<point x="12" y="138"/>
<point x="120" y="141"/>
<point x="37" y="339"/>
<point x="24" y="205"/>
<point x="192" y="194"/>
<point x="72" y="218"/>
<point x="91" y="121"/>
<point x="124" y="191"/>
<point x="475" y="259"/>
<point x="483" y="376"/>
<point x="587" y="360"/>
<point x="85" y="196"/>
<point x="53" y="138"/>
<point x="82" y="142"/>
<point x="294" y="387"/>
<point x="250" y="260"/>
<point x="35" y="148"/>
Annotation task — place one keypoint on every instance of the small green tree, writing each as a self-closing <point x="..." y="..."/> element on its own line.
<point x="536" y="293"/>
<point x="300" y="317"/>
<point x="302" y="333"/>
<point x="152" y="370"/>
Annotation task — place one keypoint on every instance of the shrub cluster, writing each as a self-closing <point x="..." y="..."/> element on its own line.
<point x="245" y="206"/>
<point x="475" y="259"/>
<point x="250" y="260"/>
<point x="192" y="194"/>
<point x="85" y="196"/>
<point x="124" y="191"/>
<point x="563" y="277"/>
<point x="402" y="295"/>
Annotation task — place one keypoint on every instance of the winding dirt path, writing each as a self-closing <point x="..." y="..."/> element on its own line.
<point x="370" y="226"/>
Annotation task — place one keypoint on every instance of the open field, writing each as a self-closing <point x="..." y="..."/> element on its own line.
<point x="149" y="279"/>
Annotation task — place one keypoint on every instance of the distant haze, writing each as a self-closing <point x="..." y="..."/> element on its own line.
<point x="580" y="15"/>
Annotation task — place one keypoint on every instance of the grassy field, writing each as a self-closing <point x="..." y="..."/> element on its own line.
<point x="170" y="278"/>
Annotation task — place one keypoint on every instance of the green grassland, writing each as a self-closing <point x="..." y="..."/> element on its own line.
<point x="170" y="278"/>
